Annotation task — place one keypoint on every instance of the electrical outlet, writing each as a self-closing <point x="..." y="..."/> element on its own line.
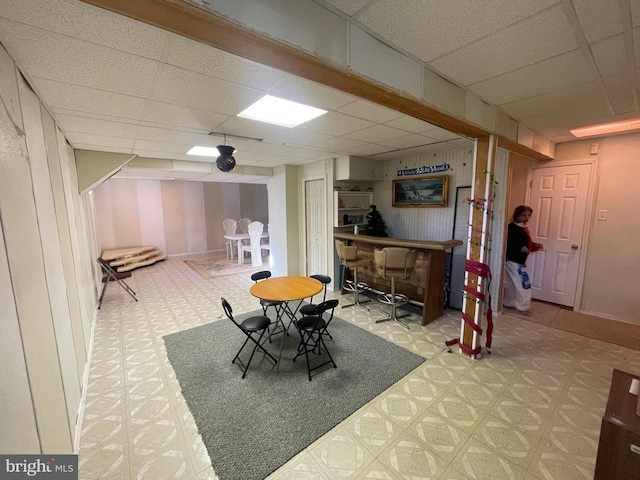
<point x="602" y="215"/>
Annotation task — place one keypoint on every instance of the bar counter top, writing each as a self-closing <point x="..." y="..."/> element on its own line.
<point x="399" y="242"/>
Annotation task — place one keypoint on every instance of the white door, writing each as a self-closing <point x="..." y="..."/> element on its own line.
<point x="559" y="201"/>
<point x="316" y="227"/>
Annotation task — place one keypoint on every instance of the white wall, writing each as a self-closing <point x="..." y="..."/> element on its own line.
<point x="611" y="279"/>
<point x="47" y="293"/>
<point x="174" y="216"/>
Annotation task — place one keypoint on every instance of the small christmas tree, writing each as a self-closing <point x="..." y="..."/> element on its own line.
<point x="375" y="225"/>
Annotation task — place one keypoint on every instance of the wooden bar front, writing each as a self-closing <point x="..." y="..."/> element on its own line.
<point x="426" y="284"/>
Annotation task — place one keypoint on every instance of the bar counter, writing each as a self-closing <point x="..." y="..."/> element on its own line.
<point x="426" y="284"/>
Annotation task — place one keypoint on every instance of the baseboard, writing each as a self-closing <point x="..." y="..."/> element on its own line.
<point x="85" y="384"/>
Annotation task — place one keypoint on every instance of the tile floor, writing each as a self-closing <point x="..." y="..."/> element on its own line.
<point x="530" y="410"/>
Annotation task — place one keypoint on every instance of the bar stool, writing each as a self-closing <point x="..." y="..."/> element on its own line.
<point x="350" y="258"/>
<point x="392" y="263"/>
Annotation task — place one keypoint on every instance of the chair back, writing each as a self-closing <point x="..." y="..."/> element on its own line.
<point x="326" y="306"/>
<point x="325" y="280"/>
<point x="346" y="252"/>
<point x="395" y="261"/>
<point x="255" y="232"/>
<point x="262" y="275"/>
<point x="230" y="226"/>
<point x="228" y="311"/>
<point x="244" y="224"/>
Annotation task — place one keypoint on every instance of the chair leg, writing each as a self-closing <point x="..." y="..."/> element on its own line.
<point x="391" y="300"/>
<point x="356" y="289"/>
<point x="256" y="347"/>
<point x="104" y="289"/>
<point x="306" y="339"/>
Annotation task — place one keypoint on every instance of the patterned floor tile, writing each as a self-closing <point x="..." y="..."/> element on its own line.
<point x="409" y="458"/>
<point x="532" y="407"/>
<point x="478" y="462"/>
<point x="443" y="438"/>
<point x="372" y="429"/>
<point x="341" y="454"/>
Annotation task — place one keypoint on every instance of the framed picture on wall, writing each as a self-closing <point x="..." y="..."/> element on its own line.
<point x="421" y="192"/>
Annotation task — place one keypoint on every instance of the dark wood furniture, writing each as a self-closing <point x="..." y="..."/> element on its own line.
<point x="619" y="447"/>
<point x="426" y="284"/>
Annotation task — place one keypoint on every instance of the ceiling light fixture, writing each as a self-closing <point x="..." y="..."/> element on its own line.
<point x="281" y="112"/>
<point x="225" y="162"/>
<point x="606" y="128"/>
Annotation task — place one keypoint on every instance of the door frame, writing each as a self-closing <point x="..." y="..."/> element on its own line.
<point x="588" y="220"/>
<point x="329" y="230"/>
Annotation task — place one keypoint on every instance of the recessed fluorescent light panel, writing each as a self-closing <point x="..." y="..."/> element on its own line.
<point x="204" y="151"/>
<point x="606" y="128"/>
<point x="280" y="112"/>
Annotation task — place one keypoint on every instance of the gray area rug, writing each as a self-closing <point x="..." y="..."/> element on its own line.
<point x="253" y="426"/>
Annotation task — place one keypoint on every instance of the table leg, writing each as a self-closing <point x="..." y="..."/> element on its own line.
<point x="292" y="316"/>
<point x="240" y="254"/>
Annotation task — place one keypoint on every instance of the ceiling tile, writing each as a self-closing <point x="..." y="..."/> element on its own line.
<point x="424" y="29"/>
<point x="141" y="152"/>
<point x="555" y="73"/>
<point x="371" y="149"/>
<point x="339" y="144"/>
<point x="556" y="100"/>
<point x="407" y="141"/>
<point x="368" y="111"/>
<point x="197" y="57"/>
<point x="72" y="123"/>
<point x="83" y="99"/>
<point x="170" y="136"/>
<point x="77" y="138"/>
<point x="99" y="148"/>
<point x="58" y="57"/>
<point x="376" y="134"/>
<point x="89" y="23"/>
<point x="189" y="89"/>
<point x="156" y="146"/>
<point x="579" y="116"/>
<point x="610" y="56"/>
<point x="310" y="93"/>
<point x="335" y="124"/>
<point x="410" y="124"/>
<point x="598" y="19"/>
<point x="186" y="117"/>
<point x="440" y="134"/>
<point x="532" y="40"/>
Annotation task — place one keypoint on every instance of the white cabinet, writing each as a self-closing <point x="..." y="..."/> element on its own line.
<point x="359" y="169"/>
<point x="351" y="208"/>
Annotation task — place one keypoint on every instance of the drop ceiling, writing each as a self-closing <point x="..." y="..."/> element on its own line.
<point x="114" y="84"/>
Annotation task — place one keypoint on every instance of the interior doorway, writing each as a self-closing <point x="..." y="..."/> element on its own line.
<point x="315" y="226"/>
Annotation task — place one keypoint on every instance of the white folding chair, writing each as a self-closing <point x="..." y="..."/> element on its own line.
<point x="230" y="226"/>
<point x="255" y="232"/>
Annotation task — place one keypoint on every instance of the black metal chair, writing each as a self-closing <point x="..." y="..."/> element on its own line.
<point x="265" y="304"/>
<point x="110" y="275"/>
<point x="250" y="326"/>
<point x="312" y="329"/>
<point x="309" y="309"/>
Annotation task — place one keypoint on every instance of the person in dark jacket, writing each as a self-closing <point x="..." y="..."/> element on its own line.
<point x="517" y="286"/>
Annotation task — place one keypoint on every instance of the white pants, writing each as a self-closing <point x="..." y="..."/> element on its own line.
<point x="515" y="295"/>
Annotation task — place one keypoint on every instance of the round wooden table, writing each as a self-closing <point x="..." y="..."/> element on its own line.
<point x="286" y="289"/>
